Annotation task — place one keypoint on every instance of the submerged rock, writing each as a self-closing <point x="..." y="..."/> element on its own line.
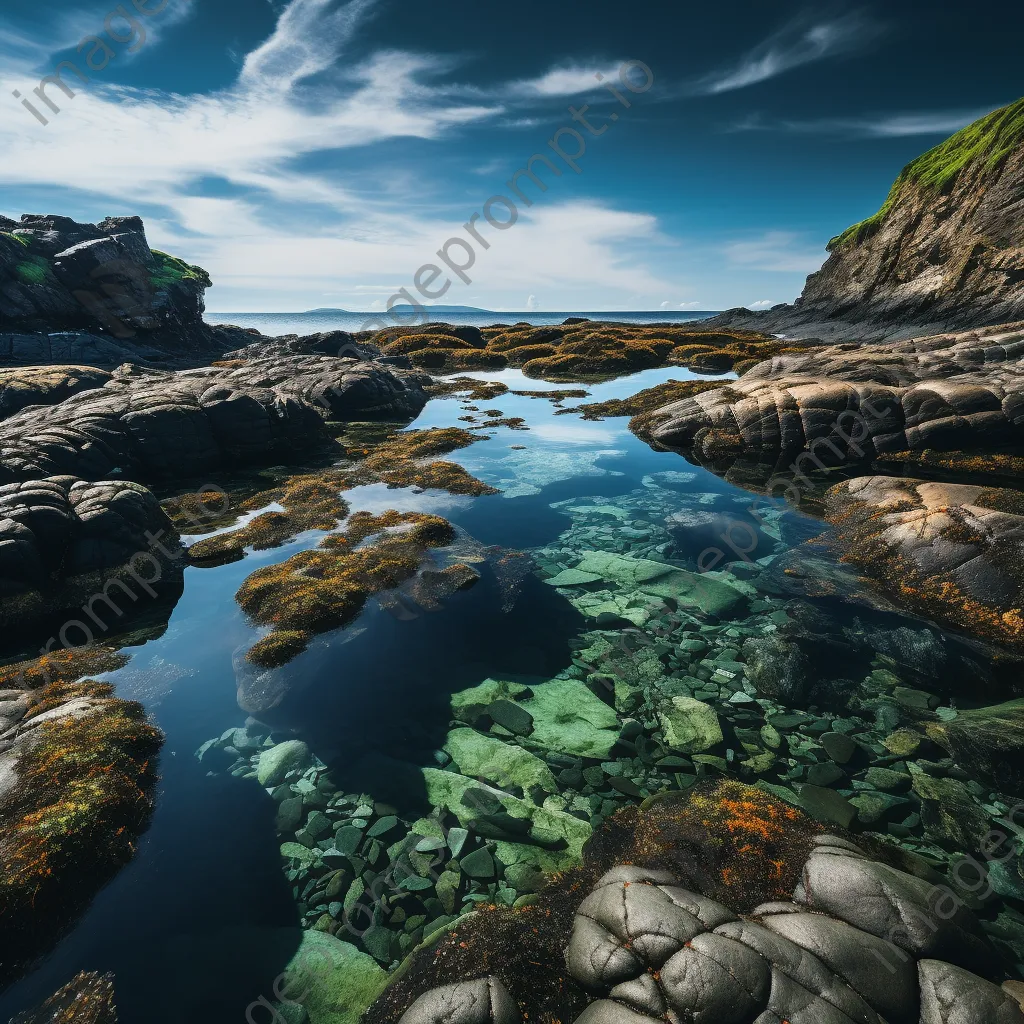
<point x="569" y="719"/>
<point x="690" y="726"/>
<point x="987" y="741"/>
<point x="275" y="762"/>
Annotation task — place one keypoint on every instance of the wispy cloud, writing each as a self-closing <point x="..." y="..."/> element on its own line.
<point x="783" y="251"/>
<point x="806" y="40"/>
<point x="879" y="126"/>
<point x="761" y="304"/>
<point x="568" y="81"/>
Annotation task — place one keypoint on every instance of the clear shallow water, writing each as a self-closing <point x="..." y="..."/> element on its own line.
<point x="274" y="324"/>
<point x="203" y="919"/>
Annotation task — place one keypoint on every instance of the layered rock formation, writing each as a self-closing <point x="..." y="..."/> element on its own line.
<point x="98" y="294"/>
<point x="149" y="424"/>
<point x="945" y="251"/>
<point x="60" y="535"/>
<point x="951" y="403"/>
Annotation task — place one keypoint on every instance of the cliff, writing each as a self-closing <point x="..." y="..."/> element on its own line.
<point x="98" y="294"/>
<point x="945" y="251"/>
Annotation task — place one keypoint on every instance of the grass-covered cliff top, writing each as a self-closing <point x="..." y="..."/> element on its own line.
<point x="990" y="141"/>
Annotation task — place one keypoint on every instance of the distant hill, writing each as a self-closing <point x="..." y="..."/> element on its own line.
<point x="403" y="308"/>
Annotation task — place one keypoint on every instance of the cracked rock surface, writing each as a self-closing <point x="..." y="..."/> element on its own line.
<point x="152" y="424"/>
<point x="483" y="1001"/>
<point x="860" y="943"/>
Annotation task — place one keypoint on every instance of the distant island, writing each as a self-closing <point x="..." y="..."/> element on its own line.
<point x="406" y="308"/>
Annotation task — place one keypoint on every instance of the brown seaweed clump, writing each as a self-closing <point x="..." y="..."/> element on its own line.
<point x="735" y="844"/>
<point x="81" y="797"/>
<point x="648" y="400"/>
<point x="475" y="390"/>
<point x="401" y="462"/>
<point x="325" y="588"/>
<point x="582" y="350"/>
<point x="87" y="999"/>
<point x="313" y="501"/>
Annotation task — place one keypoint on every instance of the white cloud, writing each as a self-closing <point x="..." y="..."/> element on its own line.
<point x="577" y="248"/>
<point x="776" y="251"/>
<point x="801" y="42"/>
<point x="681" y="305"/>
<point x="880" y="126"/>
<point x="150" y="147"/>
<point x="531" y="303"/>
<point x="568" y="81"/>
<point x="157" y="153"/>
<point x="761" y="304"/>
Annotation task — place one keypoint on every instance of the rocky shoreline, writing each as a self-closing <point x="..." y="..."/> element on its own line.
<point x="746" y="783"/>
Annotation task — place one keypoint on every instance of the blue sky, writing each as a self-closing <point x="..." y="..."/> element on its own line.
<point x="316" y="153"/>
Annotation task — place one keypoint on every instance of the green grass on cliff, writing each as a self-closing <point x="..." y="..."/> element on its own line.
<point x="990" y="141"/>
<point x="165" y="271"/>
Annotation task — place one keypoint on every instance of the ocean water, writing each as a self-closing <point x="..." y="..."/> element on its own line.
<point x="197" y="927"/>
<point x="275" y="324"/>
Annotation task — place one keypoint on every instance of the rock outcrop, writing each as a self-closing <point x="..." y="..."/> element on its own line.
<point x="98" y="294"/>
<point x="59" y="536"/>
<point x="954" y="392"/>
<point x="945" y="251"/>
<point x="151" y="424"/>
<point x="45" y="385"/>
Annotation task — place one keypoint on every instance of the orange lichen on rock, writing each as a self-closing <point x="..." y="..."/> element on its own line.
<point x="63" y="665"/>
<point x="738" y="845"/>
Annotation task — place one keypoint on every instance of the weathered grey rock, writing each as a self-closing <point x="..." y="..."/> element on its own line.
<point x="150" y="424"/>
<point x="483" y="1001"/>
<point x="652" y="951"/>
<point x="908" y="912"/>
<point x="57" y="535"/>
<point x="950" y="995"/>
<point x="634" y="917"/>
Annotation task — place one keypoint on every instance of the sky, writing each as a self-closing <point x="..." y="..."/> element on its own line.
<point x="318" y="153"/>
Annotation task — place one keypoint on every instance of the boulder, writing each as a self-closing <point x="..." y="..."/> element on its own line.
<point x="569" y="719"/>
<point x="689" y="726"/>
<point x="275" y="762"/>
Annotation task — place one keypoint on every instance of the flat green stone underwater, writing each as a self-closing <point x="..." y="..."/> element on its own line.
<point x="591" y="667"/>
